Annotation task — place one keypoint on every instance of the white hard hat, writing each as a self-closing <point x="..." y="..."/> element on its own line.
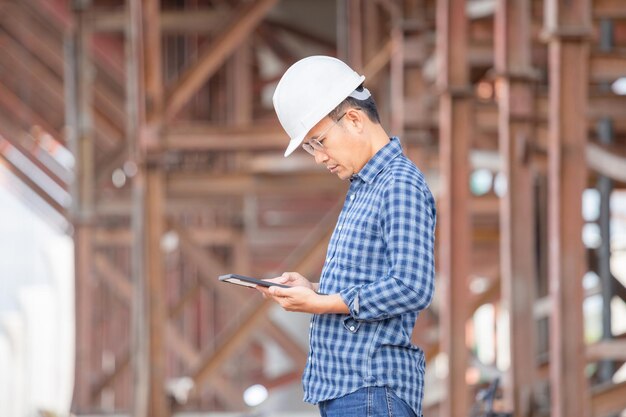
<point x="309" y="90"/>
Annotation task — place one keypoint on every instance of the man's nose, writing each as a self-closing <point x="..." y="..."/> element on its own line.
<point x="320" y="157"/>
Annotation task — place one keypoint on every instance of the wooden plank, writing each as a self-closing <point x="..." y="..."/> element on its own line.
<point x="566" y="24"/>
<point x="212" y="57"/>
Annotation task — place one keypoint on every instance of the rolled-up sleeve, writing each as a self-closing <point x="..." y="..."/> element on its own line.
<point x="408" y="228"/>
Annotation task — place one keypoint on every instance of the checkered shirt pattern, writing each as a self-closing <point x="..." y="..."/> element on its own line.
<point x="380" y="260"/>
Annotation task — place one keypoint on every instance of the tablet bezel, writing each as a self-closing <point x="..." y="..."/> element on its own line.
<point x="248" y="282"/>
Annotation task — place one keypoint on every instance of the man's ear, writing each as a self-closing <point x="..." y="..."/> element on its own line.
<point x="355" y="118"/>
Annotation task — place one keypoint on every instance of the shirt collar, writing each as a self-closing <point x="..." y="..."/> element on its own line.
<point x="378" y="162"/>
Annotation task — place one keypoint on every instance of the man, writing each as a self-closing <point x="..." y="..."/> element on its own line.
<point x="379" y="268"/>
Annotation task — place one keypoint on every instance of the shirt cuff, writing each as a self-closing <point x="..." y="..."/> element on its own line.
<point x="350" y="296"/>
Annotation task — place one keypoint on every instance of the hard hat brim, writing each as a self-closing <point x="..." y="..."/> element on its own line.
<point x="293" y="145"/>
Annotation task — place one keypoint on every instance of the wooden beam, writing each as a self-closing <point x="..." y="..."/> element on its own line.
<point x="304" y="35"/>
<point x="209" y="269"/>
<point x="379" y="60"/>
<point x="396" y="71"/>
<point x="608" y="400"/>
<point x="205" y="137"/>
<point x="24" y="28"/>
<point x="517" y="252"/>
<point x="608" y="161"/>
<point x="236" y="333"/>
<point x="24" y="144"/>
<point x="47" y="80"/>
<point x="282" y="380"/>
<point x="181" y="184"/>
<point x="181" y="347"/>
<point x="172" y="22"/>
<point x="567" y="23"/>
<point x="213" y="56"/>
<point x="25" y="113"/>
<point x="155" y="286"/>
<point x="32" y="185"/>
<point x="607" y="349"/>
<point x="455" y="121"/>
<point x="121" y="364"/>
<point x="607" y="66"/>
<point x="275" y="43"/>
<point x="609" y="9"/>
<point x="115" y="279"/>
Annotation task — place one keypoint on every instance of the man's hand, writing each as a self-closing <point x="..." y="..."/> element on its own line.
<point x="300" y="299"/>
<point x="302" y="296"/>
<point x="293" y="279"/>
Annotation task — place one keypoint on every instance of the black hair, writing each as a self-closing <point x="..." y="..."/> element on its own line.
<point x="368" y="106"/>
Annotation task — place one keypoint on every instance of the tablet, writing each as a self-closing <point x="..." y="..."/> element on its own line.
<point x="248" y="282"/>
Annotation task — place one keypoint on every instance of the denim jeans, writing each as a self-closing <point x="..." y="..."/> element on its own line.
<point x="367" y="402"/>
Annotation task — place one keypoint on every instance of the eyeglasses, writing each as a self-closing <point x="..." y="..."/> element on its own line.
<point x="316" y="144"/>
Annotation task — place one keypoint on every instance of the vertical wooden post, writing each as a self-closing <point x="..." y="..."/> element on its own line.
<point x="567" y="27"/>
<point x="517" y="256"/>
<point x="135" y="111"/>
<point x="79" y="78"/>
<point x="454" y="136"/>
<point x="154" y="209"/>
<point x="605" y="188"/>
<point x="145" y="101"/>
<point x="397" y="72"/>
<point x="350" y="38"/>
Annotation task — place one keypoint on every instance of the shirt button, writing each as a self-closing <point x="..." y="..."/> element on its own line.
<point x="339" y="228"/>
<point x="352" y="197"/>
<point x="352" y="328"/>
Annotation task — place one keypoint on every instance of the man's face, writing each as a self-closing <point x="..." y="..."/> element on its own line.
<point x="339" y="148"/>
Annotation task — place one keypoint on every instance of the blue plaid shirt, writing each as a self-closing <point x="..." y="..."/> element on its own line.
<point x="380" y="260"/>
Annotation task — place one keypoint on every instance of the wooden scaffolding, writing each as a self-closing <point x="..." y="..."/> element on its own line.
<point x="178" y="176"/>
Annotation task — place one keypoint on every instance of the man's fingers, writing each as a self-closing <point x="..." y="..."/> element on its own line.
<point x="278" y="291"/>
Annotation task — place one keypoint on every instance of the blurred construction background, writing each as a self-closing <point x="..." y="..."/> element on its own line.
<point x="140" y="158"/>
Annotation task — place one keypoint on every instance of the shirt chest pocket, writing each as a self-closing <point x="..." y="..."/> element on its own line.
<point x="361" y="246"/>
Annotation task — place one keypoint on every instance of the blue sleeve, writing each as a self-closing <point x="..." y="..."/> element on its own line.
<point x="408" y="229"/>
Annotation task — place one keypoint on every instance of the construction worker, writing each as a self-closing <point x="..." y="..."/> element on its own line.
<point x="379" y="268"/>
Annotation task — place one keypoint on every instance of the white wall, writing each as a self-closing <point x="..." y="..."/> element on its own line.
<point x="36" y="312"/>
